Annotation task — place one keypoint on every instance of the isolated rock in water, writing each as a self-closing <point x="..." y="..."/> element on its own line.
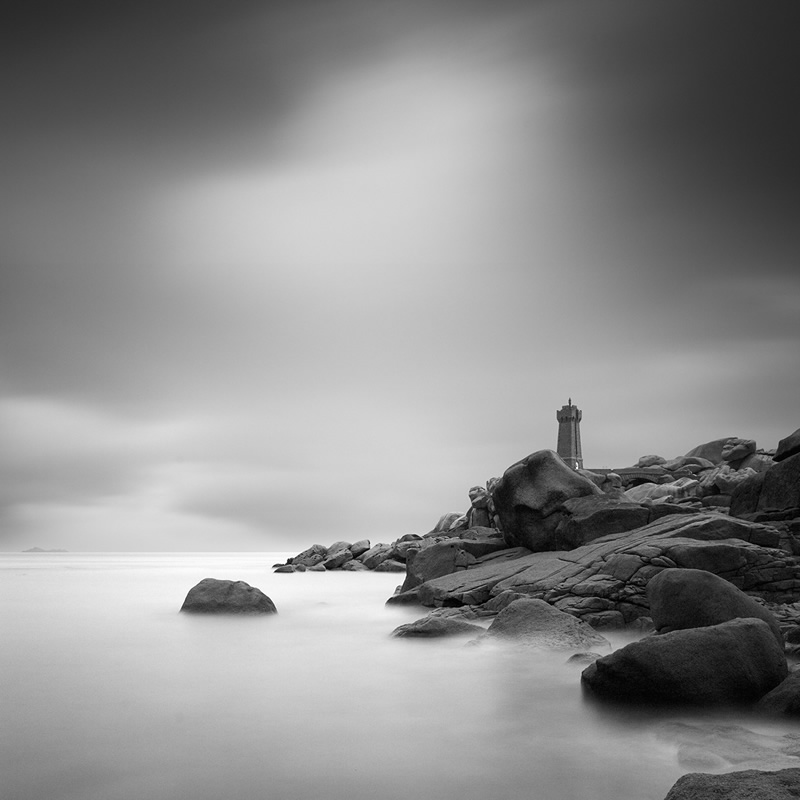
<point x="790" y="446"/>
<point x="212" y="596"/>
<point x="694" y="598"/>
<point x="529" y="498"/>
<point x="734" y="662"/>
<point x="436" y="626"/>
<point x="784" y="698"/>
<point x="534" y="622"/>
<point x="751" y="784"/>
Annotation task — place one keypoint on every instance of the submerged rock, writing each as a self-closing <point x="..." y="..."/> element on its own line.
<point x="437" y="626"/>
<point x="717" y="745"/>
<point x="212" y="596"/>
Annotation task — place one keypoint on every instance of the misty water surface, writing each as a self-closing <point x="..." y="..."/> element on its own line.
<point x="108" y="693"/>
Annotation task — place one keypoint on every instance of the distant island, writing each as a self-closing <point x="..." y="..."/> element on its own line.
<point x="42" y="550"/>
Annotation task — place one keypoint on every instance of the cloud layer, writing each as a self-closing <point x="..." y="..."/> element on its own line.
<point x="308" y="273"/>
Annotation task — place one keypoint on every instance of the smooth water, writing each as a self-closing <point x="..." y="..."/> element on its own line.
<point x="108" y="693"/>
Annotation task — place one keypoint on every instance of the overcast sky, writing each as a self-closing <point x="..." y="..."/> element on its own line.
<point x="275" y="274"/>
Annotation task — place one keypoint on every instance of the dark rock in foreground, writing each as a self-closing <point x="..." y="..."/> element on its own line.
<point x="751" y="784"/>
<point x="212" y="596"/>
<point x="731" y="663"/>
<point x="694" y="598"/>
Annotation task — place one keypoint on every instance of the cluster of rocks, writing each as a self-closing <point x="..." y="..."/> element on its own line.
<point x="355" y="557"/>
<point x="707" y="475"/>
<point x="713" y="644"/>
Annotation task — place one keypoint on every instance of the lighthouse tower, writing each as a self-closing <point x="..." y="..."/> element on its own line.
<point x="569" y="435"/>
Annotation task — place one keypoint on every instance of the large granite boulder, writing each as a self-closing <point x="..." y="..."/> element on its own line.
<point x="731" y="663"/>
<point x="212" y="596"/>
<point x="529" y="498"/>
<point x="535" y="623"/>
<point x="694" y="598"/>
<point x="790" y="446"/>
<point x="751" y="784"/>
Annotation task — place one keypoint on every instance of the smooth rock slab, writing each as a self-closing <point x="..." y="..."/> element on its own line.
<point x="731" y="663"/>
<point x="751" y="784"/>
<point x="212" y="596"/>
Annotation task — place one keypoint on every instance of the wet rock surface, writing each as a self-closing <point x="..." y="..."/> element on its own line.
<point x="732" y="663"/>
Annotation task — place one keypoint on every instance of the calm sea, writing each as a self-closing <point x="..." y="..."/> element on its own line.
<point x="108" y="693"/>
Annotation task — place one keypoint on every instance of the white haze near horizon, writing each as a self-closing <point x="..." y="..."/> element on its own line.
<point x="310" y="273"/>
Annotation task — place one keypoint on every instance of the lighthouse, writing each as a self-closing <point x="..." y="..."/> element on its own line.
<point x="569" y="435"/>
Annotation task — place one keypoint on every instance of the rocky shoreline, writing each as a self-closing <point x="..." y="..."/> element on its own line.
<point x="698" y="555"/>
